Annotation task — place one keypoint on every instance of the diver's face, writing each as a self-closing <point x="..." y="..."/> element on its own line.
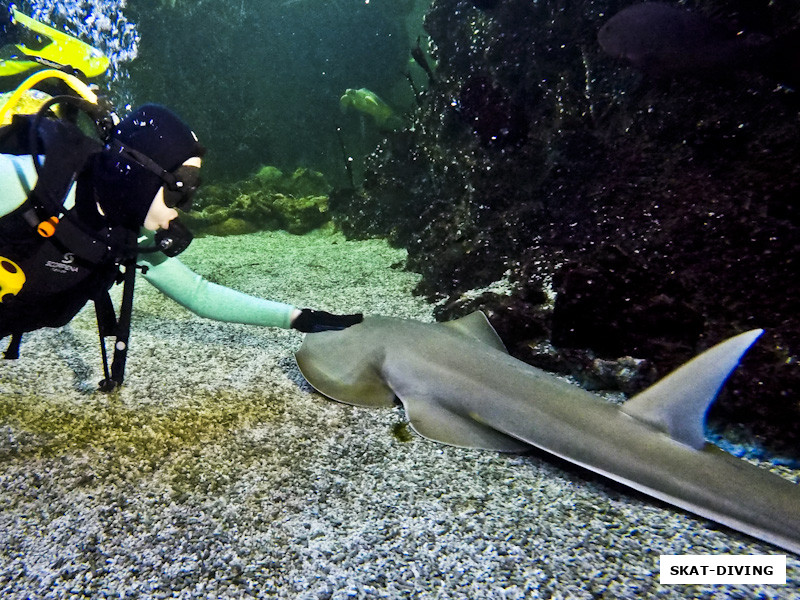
<point x="160" y="215"/>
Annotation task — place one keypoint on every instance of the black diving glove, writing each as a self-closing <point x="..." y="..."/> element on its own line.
<point x="314" y="321"/>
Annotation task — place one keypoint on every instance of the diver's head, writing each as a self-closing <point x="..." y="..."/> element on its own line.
<point x="149" y="167"/>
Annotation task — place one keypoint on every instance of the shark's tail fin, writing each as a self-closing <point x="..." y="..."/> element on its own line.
<point x="677" y="404"/>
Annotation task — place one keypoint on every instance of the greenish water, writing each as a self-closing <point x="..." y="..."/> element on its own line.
<point x="259" y="81"/>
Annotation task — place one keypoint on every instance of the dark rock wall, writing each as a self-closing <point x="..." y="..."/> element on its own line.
<point x="662" y="211"/>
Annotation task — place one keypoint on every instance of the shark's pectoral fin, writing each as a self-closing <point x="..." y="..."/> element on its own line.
<point x="475" y="325"/>
<point x="677" y="404"/>
<point x="432" y="419"/>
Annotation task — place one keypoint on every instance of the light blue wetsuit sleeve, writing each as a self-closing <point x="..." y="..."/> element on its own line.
<point x="175" y="280"/>
<point x="168" y="275"/>
<point x="17" y="178"/>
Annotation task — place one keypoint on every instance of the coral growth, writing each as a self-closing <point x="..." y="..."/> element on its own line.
<point x="268" y="200"/>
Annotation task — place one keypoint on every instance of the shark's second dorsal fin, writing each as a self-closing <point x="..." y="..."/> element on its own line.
<point x="677" y="404"/>
<point x="477" y="326"/>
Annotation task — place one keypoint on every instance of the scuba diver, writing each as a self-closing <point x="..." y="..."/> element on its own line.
<point x="79" y="213"/>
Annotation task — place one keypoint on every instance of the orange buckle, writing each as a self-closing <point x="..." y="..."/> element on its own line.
<point x="47" y="228"/>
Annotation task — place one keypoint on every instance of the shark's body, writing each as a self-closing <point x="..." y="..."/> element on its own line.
<point x="459" y="386"/>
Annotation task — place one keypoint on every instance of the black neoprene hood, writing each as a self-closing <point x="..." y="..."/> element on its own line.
<point x="123" y="188"/>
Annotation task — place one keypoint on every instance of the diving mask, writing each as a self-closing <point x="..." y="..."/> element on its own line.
<point x="180" y="186"/>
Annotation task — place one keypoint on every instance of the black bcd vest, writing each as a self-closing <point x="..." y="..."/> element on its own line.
<point x="47" y="278"/>
<point x="44" y="282"/>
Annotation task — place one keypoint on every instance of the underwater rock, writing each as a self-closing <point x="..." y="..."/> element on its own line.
<point x="615" y="305"/>
<point x="231" y="226"/>
<point x="496" y="119"/>
<point x="269" y="176"/>
<point x="301" y="215"/>
<point x="304" y="182"/>
<point x="485" y="4"/>
<point x="267" y="200"/>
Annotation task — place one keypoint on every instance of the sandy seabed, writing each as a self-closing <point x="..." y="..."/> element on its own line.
<point x="216" y="472"/>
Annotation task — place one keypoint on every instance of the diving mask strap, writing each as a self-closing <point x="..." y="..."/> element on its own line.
<point x="179" y="185"/>
<point x="145" y="162"/>
<point x="172" y="182"/>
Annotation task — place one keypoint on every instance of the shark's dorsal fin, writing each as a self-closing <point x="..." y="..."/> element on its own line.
<point x="477" y="326"/>
<point x="677" y="404"/>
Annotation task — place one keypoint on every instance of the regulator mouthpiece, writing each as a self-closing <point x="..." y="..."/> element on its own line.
<point x="174" y="240"/>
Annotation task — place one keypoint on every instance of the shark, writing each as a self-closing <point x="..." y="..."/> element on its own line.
<point x="459" y="386"/>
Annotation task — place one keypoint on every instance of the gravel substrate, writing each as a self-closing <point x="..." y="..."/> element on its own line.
<point x="216" y="472"/>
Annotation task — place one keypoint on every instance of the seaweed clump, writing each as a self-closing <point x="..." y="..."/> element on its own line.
<point x="268" y="200"/>
<point x="627" y="216"/>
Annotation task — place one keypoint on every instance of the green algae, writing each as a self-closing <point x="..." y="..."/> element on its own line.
<point x="301" y="214"/>
<point x="49" y="427"/>
<point x="268" y="200"/>
<point x="110" y="446"/>
<point x="401" y="433"/>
